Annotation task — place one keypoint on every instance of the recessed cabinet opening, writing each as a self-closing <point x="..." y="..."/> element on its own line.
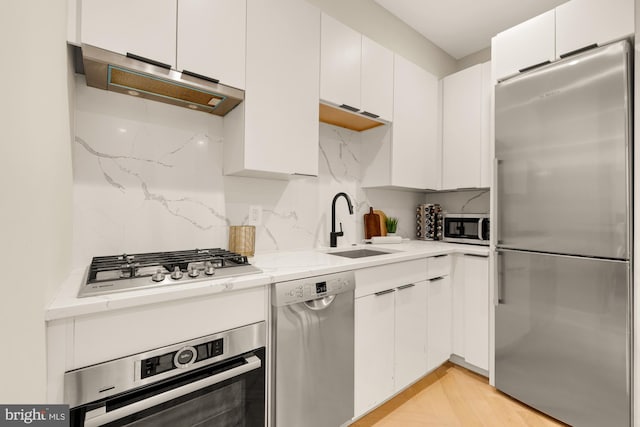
<point x="339" y="117"/>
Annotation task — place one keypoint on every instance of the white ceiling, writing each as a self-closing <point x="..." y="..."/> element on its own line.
<point x="462" y="27"/>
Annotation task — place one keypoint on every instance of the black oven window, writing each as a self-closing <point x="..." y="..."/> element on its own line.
<point x="237" y="401"/>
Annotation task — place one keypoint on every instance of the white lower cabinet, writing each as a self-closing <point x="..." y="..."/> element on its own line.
<point x="411" y="334"/>
<point x="470" y="309"/>
<point x="374" y="350"/>
<point x="439" y="317"/>
<point x="476" y="303"/>
<point x="390" y="343"/>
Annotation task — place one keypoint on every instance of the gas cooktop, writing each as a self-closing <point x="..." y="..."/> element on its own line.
<point x="117" y="273"/>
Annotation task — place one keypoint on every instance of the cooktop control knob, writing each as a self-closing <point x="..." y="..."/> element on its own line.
<point x="209" y="269"/>
<point x="193" y="272"/>
<point x="158" y="276"/>
<point x="176" y="273"/>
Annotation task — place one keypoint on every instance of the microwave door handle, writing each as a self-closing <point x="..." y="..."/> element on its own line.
<point x="480" y="221"/>
<point x="92" y="419"/>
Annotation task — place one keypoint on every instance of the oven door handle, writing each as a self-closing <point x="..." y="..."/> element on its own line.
<point x="93" y="418"/>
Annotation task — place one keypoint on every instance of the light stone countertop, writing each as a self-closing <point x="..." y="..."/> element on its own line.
<point x="276" y="266"/>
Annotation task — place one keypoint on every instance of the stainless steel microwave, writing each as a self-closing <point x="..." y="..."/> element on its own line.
<point x="466" y="228"/>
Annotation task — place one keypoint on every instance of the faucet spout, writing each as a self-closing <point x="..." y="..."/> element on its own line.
<point x="333" y="236"/>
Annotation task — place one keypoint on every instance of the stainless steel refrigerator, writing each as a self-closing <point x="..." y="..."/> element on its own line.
<point x="563" y="312"/>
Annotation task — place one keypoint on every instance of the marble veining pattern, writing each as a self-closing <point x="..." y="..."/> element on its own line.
<point x="149" y="177"/>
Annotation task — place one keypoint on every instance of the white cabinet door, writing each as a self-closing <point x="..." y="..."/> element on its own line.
<point x="143" y="27"/>
<point x="411" y="334"/>
<point x="486" y="155"/>
<point x="415" y="159"/>
<point x="439" y="321"/>
<point x="374" y="350"/>
<point x="212" y="39"/>
<point x="462" y="102"/>
<point x="340" y="63"/>
<point x="476" y="310"/>
<point x="274" y="132"/>
<point x="580" y="23"/>
<point x="377" y="79"/>
<point x="525" y="45"/>
<point x="458" y="306"/>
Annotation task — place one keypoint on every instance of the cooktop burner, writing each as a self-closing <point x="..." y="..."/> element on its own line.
<point x="116" y="273"/>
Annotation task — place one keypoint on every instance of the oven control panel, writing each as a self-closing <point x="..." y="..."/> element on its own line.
<point x="311" y="288"/>
<point x="182" y="358"/>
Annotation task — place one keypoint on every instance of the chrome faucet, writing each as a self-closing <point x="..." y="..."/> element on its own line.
<point x="333" y="236"/>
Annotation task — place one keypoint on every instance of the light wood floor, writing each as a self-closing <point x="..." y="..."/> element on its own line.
<point x="454" y="396"/>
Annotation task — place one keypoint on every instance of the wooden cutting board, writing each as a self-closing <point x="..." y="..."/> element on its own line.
<point x="374" y="224"/>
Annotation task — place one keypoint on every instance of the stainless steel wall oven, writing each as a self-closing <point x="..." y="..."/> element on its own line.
<point x="216" y="380"/>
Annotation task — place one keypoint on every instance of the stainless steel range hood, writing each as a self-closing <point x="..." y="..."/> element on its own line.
<point x="155" y="81"/>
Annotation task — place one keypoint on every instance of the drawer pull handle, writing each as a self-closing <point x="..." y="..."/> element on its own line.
<point x="410" y="285"/>
<point x="436" y="279"/>
<point x="349" y="107"/>
<point x="440" y="256"/>
<point x="388" y="291"/>
<point x="477" y="255"/>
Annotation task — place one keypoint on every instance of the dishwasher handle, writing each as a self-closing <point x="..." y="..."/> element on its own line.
<point x="319" y="304"/>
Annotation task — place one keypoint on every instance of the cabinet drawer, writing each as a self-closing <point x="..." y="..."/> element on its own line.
<point x="376" y="279"/>
<point x="438" y="266"/>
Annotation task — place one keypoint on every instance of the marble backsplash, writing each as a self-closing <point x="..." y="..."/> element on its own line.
<point x="149" y="177"/>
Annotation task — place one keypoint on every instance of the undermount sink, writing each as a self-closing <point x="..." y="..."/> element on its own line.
<point x="360" y="253"/>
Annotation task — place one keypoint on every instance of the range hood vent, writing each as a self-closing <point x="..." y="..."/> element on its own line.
<point x="158" y="82"/>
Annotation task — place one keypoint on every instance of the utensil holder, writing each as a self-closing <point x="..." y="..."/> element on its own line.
<point x="242" y="239"/>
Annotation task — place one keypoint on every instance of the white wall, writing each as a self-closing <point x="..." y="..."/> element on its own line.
<point x="471" y="201"/>
<point x="472" y="59"/>
<point x="35" y="186"/>
<point x="375" y="22"/>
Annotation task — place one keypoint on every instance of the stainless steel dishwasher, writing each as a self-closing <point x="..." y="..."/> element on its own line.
<point x="313" y="323"/>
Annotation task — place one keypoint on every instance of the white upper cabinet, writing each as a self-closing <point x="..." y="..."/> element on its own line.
<point x="356" y="73"/>
<point x="376" y="80"/>
<point x="466" y="123"/>
<point x="274" y="132"/>
<point x="525" y="45"/>
<point x="581" y="23"/>
<point x="341" y="50"/>
<point x="486" y="154"/>
<point x="146" y="28"/>
<point x="462" y="128"/>
<point x="408" y="153"/>
<point x="415" y="161"/>
<point x="212" y="39"/>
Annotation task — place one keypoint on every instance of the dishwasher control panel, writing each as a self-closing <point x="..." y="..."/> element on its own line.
<point x="295" y="291"/>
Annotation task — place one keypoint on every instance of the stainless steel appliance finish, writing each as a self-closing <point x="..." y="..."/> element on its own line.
<point x="564" y="299"/>
<point x="472" y="228"/>
<point x="145" y="78"/>
<point x="117" y="273"/>
<point x="313" y="327"/>
<point x="562" y="336"/>
<point x="152" y="387"/>
<point x="562" y="144"/>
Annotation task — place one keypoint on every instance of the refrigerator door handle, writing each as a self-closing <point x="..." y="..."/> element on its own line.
<point x="498" y="291"/>
<point x="495" y="220"/>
